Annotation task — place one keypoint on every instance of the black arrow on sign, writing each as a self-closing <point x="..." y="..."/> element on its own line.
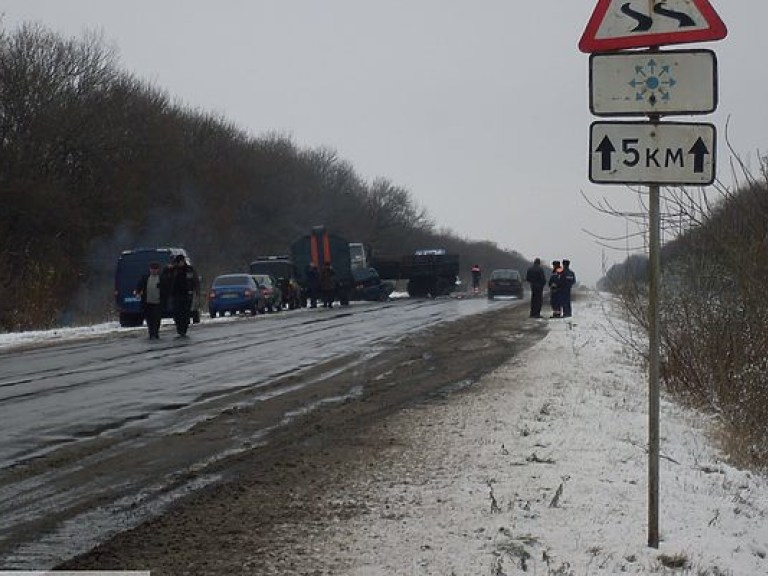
<point x="681" y="17"/>
<point x="699" y="150"/>
<point x="644" y="22"/>
<point x="606" y="149"/>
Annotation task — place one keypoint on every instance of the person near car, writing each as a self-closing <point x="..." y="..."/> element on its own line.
<point x="476" y="273"/>
<point x="313" y="284"/>
<point x="152" y="292"/>
<point x="537" y="278"/>
<point x="556" y="289"/>
<point x="183" y="284"/>
<point x="569" y="279"/>
<point x="328" y="285"/>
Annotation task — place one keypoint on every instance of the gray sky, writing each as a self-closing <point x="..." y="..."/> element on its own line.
<point x="479" y="108"/>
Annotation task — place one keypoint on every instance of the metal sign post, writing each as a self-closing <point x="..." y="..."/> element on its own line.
<point x="654" y="365"/>
<point x="656" y="153"/>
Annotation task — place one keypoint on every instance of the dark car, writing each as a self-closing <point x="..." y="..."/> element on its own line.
<point x="235" y="293"/>
<point x="281" y="267"/>
<point x="270" y="289"/>
<point x="505" y="282"/>
<point x="131" y="266"/>
<point x="368" y="285"/>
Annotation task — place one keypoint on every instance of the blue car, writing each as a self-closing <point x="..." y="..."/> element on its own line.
<point x="235" y="293"/>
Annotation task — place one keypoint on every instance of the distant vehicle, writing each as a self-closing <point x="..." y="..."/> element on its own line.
<point x="268" y="285"/>
<point x="320" y="247"/>
<point x="347" y="259"/>
<point x="131" y="266"/>
<point x="430" y="272"/>
<point x="505" y="282"/>
<point x="235" y="293"/>
<point x="281" y="267"/>
<point x="368" y="286"/>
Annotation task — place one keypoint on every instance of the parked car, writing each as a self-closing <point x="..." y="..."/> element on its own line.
<point x="131" y="265"/>
<point x="505" y="282"/>
<point x="270" y="289"/>
<point x="235" y="293"/>
<point x="281" y="267"/>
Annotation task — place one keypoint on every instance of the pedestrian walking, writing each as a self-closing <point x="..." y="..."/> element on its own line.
<point x="536" y="277"/>
<point x="183" y="285"/>
<point x="328" y="285"/>
<point x="569" y="279"/>
<point x="152" y="292"/>
<point x="476" y="273"/>
<point x="555" y="289"/>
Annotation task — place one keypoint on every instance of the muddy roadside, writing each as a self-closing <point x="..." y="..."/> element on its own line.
<point x="278" y="498"/>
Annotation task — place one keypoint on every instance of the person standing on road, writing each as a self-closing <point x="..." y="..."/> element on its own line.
<point x="313" y="284"/>
<point x="182" y="287"/>
<point x="556" y="289"/>
<point x="536" y="277"/>
<point x="328" y="285"/>
<point x="569" y="279"/>
<point x="152" y="290"/>
<point x="476" y="278"/>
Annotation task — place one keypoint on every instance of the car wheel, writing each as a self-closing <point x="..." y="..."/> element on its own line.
<point x="196" y="317"/>
<point x="212" y="313"/>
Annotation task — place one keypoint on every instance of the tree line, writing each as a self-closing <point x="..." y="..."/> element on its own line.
<point x="94" y="160"/>
<point x="712" y="306"/>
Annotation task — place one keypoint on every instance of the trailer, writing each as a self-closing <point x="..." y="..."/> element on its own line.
<point x="429" y="272"/>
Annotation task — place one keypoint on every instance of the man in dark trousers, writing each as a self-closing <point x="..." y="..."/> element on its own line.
<point x="569" y="279"/>
<point x="536" y="277"/>
<point x="476" y="278"/>
<point x="556" y="289"/>
<point x="313" y="284"/>
<point x="153" y="296"/>
<point x="328" y="285"/>
<point x="183" y="284"/>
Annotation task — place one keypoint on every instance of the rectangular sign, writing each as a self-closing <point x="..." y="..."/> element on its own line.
<point x="667" y="153"/>
<point x="641" y="83"/>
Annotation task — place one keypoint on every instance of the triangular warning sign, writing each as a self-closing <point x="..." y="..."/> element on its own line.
<point x="619" y="24"/>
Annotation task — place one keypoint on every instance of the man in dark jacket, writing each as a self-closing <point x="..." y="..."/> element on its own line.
<point x="569" y="279"/>
<point x="153" y="293"/>
<point x="183" y="284"/>
<point x="536" y="277"/>
<point x="556" y="289"/>
<point x="328" y="285"/>
<point x="313" y="284"/>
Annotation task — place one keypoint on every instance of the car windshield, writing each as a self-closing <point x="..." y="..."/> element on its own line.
<point x="239" y="280"/>
<point x="263" y="280"/>
<point x="505" y="275"/>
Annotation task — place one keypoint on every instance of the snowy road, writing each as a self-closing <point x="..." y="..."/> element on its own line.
<point x="93" y="428"/>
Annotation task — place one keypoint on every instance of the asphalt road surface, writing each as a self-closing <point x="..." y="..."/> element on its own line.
<point x="119" y="432"/>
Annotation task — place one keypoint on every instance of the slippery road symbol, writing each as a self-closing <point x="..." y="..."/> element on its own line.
<point x="645" y="22"/>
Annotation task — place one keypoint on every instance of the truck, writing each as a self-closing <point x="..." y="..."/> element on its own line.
<point x="429" y="272"/>
<point x="355" y="279"/>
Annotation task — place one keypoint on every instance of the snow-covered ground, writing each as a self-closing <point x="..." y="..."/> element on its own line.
<point x="542" y="469"/>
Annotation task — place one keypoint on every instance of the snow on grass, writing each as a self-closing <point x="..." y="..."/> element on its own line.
<point x="541" y="468"/>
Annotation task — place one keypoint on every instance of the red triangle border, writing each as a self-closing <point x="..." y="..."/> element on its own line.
<point x="716" y="30"/>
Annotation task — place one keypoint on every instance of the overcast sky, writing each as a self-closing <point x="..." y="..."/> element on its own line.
<point x="479" y="108"/>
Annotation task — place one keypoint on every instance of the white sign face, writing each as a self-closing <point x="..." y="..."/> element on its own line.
<point x="669" y="153"/>
<point x="640" y="83"/>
